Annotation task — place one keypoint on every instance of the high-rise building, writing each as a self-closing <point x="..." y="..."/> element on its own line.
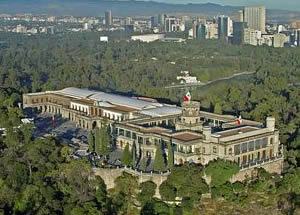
<point x="255" y="18"/>
<point x="211" y="30"/>
<point x="223" y="27"/>
<point x="128" y="21"/>
<point x="280" y="40"/>
<point x="238" y="32"/>
<point x="240" y="16"/>
<point x="154" y="21"/>
<point x="171" y="24"/>
<point x="201" y="31"/>
<point x="161" y="19"/>
<point x="194" y="29"/>
<point x="108" y="18"/>
<point x="129" y="28"/>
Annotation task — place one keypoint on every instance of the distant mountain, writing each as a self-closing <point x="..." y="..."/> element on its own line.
<point x="120" y="8"/>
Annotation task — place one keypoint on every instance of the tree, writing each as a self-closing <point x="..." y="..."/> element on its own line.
<point x="144" y="163"/>
<point x="27" y="131"/>
<point x="91" y="142"/>
<point x="128" y="185"/>
<point x="167" y="191"/>
<point x="221" y="171"/>
<point x="159" y="161"/>
<point x="98" y="145"/>
<point x="156" y="207"/>
<point x="188" y="182"/>
<point x="104" y="139"/>
<point x="147" y="191"/>
<point x="126" y="157"/>
<point x="218" y="109"/>
<point x="170" y="156"/>
<point x="133" y="152"/>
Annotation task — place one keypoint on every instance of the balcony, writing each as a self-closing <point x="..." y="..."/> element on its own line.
<point x="257" y="163"/>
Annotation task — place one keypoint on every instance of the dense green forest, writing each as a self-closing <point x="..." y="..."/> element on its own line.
<point x="36" y="176"/>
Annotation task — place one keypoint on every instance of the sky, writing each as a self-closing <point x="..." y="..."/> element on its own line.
<point x="270" y="4"/>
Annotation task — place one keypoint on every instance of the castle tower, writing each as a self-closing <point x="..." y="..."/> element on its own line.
<point x="190" y="119"/>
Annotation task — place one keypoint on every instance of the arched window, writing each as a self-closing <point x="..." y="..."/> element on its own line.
<point x="272" y="141"/>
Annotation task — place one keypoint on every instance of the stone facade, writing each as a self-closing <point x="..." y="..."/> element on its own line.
<point x="109" y="176"/>
<point x="194" y="135"/>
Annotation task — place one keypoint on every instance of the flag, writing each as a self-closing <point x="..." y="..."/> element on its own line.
<point x="53" y="120"/>
<point x="239" y="120"/>
<point x="187" y="97"/>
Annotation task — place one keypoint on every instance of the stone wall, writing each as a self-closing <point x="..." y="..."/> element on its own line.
<point x="109" y="176"/>
<point x="275" y="166"/>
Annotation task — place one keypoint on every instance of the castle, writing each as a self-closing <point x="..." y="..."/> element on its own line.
<point x="195" y="136"/>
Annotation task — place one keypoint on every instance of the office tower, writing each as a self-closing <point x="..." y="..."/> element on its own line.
<point x="129" y="28"/>
<point x="238" y="32"/>
<point x="171" y="24"/>
<point x="194" y="29"/>
<point x="211" y="30"/>
<point x="256" y="18"/>
<point x="279" y="40"/>
<point x="161" y="19"/>
<point x="154" y="21"/>
<point x="128" y="21"/>
<point x="223" y="27"/>
<point x="240" y="16"/>
<point x="108" y="18"/>
<point x="201" y="31"/>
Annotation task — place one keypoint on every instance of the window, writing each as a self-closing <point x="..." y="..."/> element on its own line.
<point x="230" y="151"/>
<point x="203" y="150"/>
<point x="134" y="136"/>
<point x="214" y="149"/>
<point x="140" y="140"/>
<point x="155" y="141"/>
<point x="237" y="149"/>
<point x="244" y="147"/>
<point x="181" y="149"/>
<point x="271" y="141"/>
<point x="174" y="147"/>
<point x="258" y="144"/>
<point x="121" y="132"/>
<point x="250" y="146"/>
<point x="128" y="134"/>
<point x="264" y="142"/>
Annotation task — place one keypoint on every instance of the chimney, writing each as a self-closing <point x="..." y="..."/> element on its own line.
<point x="270" y="123"/>
<point x="207" y="133"/>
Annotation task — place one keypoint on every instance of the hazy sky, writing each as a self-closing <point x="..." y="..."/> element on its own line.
<point x="272" y="4"/>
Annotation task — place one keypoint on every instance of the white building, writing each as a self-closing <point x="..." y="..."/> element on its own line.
<point x="148" y="37"/>
<point x="103" y="38"/>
